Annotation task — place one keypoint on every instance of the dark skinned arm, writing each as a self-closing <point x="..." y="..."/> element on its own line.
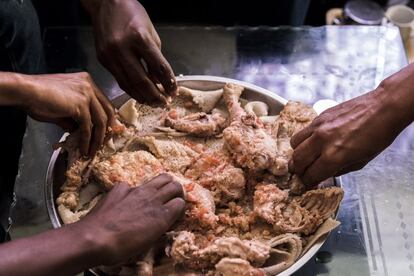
<point x="123" y="224"/>
<point x="72" y="101"/>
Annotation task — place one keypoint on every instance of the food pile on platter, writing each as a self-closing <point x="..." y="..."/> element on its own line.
<point x="246" y="214"/>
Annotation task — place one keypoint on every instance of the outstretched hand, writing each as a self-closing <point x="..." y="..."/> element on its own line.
<point x="346" y="137"/>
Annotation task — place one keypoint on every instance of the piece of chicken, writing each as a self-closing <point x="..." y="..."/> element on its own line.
<point x="131" y="167"/>
<point x="272" y="204"/>
<point x="198" y="124"/>
<point x="173" y="155"/>
<point x="303" y="214"/>
<point x="215" y="172"/>
<point x="196" y="252"/>
<point x="246" y="138"/>
<point x="294" y="117"/>
<point x="201" y="210"/>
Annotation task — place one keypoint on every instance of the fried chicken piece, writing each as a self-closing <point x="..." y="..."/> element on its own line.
<point x="76" y="177"/>
<point x="249" y="142"/>
<point x="272" y="204"/>
<point x="215" y="172"/>
<point x="254" y="251"/>
<point x="132" y="168"/>
<point x="236" y="266"/>
<point x="189" y="251"/>
<point x="198" y="124"/>
<point x="201" y="211"/>
<point x="294" y="117"/>
<point x="303" y="214"/>
<point x="174" y="156"/>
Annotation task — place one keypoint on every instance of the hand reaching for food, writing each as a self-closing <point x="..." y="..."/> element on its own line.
<point x="346" y="137"/>
<point x="124" y="37"/>
<point x="72" y="101"/>
<point x="129" y="220"/>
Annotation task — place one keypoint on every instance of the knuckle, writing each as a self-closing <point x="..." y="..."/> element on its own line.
<point x="101" y="122"/>
<point x="320" y="133"/>
<point x="84" y="75"/>
<point x="113" y="43"/>
<point x="139" y="33"/>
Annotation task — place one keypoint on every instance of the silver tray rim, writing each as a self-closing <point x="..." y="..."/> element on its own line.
<point x="214" y="80"/>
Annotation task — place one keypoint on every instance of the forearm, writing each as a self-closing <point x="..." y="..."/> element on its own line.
<point x="396" y="94"/>
<point x="91" y="6"/>
<point x="13" y="90"/>
<point x="65" y="251"/>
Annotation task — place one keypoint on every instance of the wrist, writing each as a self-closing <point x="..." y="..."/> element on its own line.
<point x="395" y="101"/>
<point x="14" y="90"/>
<point x="92" y="249"/>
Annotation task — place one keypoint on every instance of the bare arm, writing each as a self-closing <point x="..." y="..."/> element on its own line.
<point x="65" y="251"/>
<point x="123" y="225"/>
<point x="72" y="101"/>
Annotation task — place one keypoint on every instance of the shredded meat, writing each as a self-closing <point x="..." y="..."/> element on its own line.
<point x="214" y="172"/>
<point x="201" y="211"/>
<point x="199" y="124"/>
<point x="303" y="214"/>
<point x="187" y="251"/>
<point x="173" y="155"/>
<point x="129" y="167"/>
<point x="293" y="118"/>
<point x="247" y="139"/>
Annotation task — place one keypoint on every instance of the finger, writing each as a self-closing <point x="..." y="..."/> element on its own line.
<point x="118" y="192"/>
<point x="159" y="67"/>
<point x="100" y="123"/>
<point x="68" y="125"/>
<point x="106" y="105"/>
<point x="317" y="172"/>
<point x="305" y="154"/>
<point x="159" y="181"/>
<point x="120" y="75"/>
<point x="85" y="128"/>
<point x="174" y="210"/>
<point x="138" y="81"/>
<point x="301" y="136"/>
<point x="169" y="191"/>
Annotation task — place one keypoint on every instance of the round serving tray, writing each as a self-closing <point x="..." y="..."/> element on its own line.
<point x="55" y="175"/>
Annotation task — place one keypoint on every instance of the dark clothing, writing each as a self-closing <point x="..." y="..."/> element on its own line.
<point x="20" y="51"/>
<point x="229" y="12"/>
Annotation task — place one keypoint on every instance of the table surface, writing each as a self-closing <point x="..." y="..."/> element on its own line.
<point x="305" y="64"/>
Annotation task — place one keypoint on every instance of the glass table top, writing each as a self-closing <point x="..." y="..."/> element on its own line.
<point x="304" y="64"/>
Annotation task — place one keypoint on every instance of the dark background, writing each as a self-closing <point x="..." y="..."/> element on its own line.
<point x="212" y="12"/>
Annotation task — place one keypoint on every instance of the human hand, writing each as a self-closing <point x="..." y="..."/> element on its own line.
<point x="124" y="36"/>
<point x="72" y="101"/>
<point x="346" y="137"/>
<point x="129" y="220"/>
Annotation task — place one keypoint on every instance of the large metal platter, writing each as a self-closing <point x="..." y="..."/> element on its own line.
<point x="57" y="166"/>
